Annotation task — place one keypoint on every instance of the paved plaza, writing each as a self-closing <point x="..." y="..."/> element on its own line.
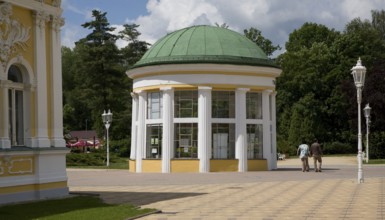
<point x="285" y="193"/>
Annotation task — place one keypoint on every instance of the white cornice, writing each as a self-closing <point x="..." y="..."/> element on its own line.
<point x="36" y="6"/>
<point x="203" y="69"/>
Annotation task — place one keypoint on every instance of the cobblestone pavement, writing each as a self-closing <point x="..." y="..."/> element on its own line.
<point x="285" y="193"/>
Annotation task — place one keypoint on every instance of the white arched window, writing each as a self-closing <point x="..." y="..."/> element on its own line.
<point x="15" y="106"/>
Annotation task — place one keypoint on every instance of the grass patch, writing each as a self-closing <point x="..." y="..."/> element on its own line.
<point x="77" y="207"/>
<point x="376" y="161"/>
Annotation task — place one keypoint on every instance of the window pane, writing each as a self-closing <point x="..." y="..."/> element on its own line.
<point x="154" y="141"/>
<point x="254" y="141"/>
<point x="223" y="141"/>
<point x="154" y="105"/>
<point x="19" y="117"/>
<point x="254" y="105"/>
<point x="223" y="104"/>
<point x="14" y="74"/>
<point x="186" y="104"/>
<point x="186" y="140"/>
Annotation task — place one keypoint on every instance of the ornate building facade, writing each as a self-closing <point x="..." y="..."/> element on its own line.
<point x="203" y="101"/>
<point x="32" y="147"/>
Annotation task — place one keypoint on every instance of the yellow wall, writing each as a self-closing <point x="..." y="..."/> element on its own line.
<point x="186" y="166"/>
<point x="151" y="166"/>
<point x="223" y="165"/>
<point x="24" y="16"/>
<point x="132" y="166"/>
<point x="192" y="166"/>
<point x="33" y="187"/>
<point x="257" y="165"/>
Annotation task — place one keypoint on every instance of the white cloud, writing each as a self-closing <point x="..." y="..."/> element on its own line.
<point x="275" y="18"/>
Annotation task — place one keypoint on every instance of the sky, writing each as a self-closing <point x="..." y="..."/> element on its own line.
<point x="276" y="19"/>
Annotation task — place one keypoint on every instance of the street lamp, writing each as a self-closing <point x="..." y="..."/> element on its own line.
<point x="367" y="116"/>
<point x="358" y="72"/>
<point x="107" y="119"/>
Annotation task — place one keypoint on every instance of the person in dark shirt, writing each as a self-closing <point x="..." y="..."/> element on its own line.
<point x="316" y="153"/>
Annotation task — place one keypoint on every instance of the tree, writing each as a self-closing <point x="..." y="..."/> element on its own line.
<point x="266" y="45"/>
<point x="135" y="48"/>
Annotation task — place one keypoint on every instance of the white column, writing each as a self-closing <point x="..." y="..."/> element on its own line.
<point x="141" y="135"/>
<point x="57" y="139"/>
<point x="168" y="131"/>
<point x="204" y="128"/>
<point x="273" y="132"/>
<point x="4" y="116"/>
<point x="240" y="129"/>
<point x="134" y="125"/>
<point x="41" y="108"/>
<point x="266" y="127"/>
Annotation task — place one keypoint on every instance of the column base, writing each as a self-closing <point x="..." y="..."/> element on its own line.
<point x="5" y="143"/>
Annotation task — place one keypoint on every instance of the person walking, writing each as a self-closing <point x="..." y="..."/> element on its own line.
<point x="303" y="152"/>
<point x="316" y="153"/>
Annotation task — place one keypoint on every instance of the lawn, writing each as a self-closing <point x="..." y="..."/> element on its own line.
<point x="74" y="207"/>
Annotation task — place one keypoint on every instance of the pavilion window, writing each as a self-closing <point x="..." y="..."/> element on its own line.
<point x="186" y="140"/>
<point x="223" y="104"/>
<point x="154" y="105"/>
<point x="15" y="106"/>
<point x="253" y="105"/>
<point x="154" y="141"/>
<point x="186" y="104"/>
<point x="254" y="141"/>
<point x="223" y="141"/>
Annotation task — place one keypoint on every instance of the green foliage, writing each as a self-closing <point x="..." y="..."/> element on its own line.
<point x="94" y="79"/>
<point x="316" y="95"/>
<point x="265" y="44"/>
<point x="377" y="145"/>
<point x="121" y="147"/>
<point x="94" y="158"/>
<point x="78" y="207"/>
<point x="338" y="148"/>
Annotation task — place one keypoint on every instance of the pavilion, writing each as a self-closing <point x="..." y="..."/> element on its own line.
<point x="203" y="100"/>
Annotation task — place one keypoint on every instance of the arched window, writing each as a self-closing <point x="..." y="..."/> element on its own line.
<point x="15" y="106"/>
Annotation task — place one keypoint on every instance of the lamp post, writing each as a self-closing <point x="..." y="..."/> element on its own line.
<point x="358" y="72"/>
<point x="107" y="119"/>
<point x="367" y="116"/>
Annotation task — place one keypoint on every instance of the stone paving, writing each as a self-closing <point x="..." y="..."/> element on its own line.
<point x="286" y="193"/>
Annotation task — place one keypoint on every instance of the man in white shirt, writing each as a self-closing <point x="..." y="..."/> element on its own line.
<point x="303" y="152"/>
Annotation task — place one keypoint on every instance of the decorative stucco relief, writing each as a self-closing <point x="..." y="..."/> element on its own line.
<point x="13" y="35"/>
<point x="16" y="166"/>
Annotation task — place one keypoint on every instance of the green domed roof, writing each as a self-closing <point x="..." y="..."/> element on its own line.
<point x="204" y="44"/>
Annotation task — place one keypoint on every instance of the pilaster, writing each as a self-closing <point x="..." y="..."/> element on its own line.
<point x="56" y="101"/>
<point x="41" y="139"/>
<point x="4" y="115"/>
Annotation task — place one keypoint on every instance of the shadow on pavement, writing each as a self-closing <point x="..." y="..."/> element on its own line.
<point x="136" y="198"/>
<point x="299" y="169"/>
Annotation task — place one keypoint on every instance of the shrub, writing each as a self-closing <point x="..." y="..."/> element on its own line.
<point x="337" y="148"/>
<point x="377" y="145"/>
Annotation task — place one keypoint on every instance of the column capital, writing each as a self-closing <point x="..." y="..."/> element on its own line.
<point x="56" y="22"/>
<point x="268" y="91"/>
<point x="205" y="88"/>
<point x="243" y="90"/>
<point x="40" y="18"/>
<point x="167" y="88"/>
